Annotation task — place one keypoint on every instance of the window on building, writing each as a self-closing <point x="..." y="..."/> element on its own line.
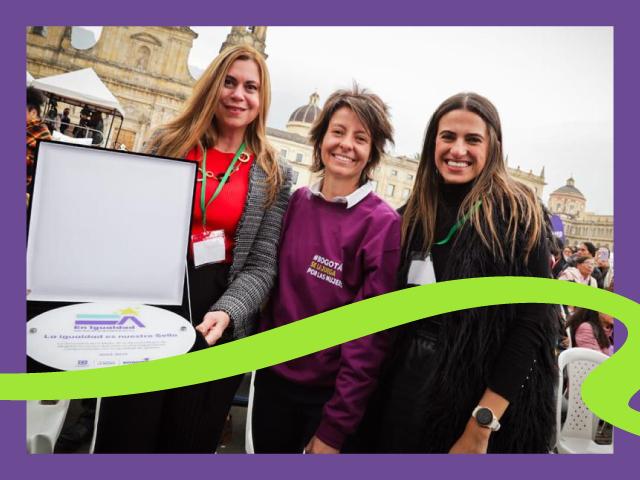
<point x="299" y="157"/>
<point x="405" y="193"/>
<point x="294" y="177"/>
<point x="142" y="58"/>
<point x="394" y="173"/>
<point x="42" y="31"/>
<point x="390" y="189"/>
<point x="409" y="176"/>
<point x="283" y="153"/>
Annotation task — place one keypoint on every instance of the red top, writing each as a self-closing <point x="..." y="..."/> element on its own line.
<point x="225" y="211"/>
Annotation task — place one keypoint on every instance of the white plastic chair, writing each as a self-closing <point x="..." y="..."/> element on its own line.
<point x="248" y="434"/>
<point x="577" y="433"/>
<point x="44" y="422"/>
<point x="95" y="426"/>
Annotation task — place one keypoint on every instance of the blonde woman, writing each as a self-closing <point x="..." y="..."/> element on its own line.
<point x="240" y="199"/>
<point x="456" y="378"/>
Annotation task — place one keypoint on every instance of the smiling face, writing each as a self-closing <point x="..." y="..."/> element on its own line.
<point x="346" y="147"/>
<point x="461" y="146"/>
<point x="239" y="100"/>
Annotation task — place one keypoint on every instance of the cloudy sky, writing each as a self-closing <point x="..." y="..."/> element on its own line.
<point x="552" y="86"/>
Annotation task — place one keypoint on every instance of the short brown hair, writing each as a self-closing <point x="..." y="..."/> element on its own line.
<point x="370" y="110"/>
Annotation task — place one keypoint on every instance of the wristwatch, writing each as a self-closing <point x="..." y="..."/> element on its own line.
<point x="485" y="418"/>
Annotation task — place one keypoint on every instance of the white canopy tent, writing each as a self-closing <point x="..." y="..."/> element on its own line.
<point x="82" y="88"/>
<point x="29" y="79"/>
<point x="82" y="85"/>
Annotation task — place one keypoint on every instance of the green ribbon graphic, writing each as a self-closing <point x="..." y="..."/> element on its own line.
<point x="607" y="390"/>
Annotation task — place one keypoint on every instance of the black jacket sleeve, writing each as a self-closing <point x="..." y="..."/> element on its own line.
<point x="528" y="333"/>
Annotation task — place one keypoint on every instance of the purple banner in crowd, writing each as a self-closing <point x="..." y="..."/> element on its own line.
<point x="17" y="463"/>
<point x="558" y="227"/>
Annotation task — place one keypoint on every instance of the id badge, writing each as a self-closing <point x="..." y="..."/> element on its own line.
<point x="421" y="271"/>
<point x="208" y="247"/>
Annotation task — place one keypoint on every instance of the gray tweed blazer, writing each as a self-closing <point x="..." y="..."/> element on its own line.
<point x="255" y="255"/>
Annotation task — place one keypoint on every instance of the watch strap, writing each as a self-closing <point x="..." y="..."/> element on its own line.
<point x="494" y="425"/>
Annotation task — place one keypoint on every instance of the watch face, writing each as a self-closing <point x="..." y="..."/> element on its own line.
<point x="484" y="416"/>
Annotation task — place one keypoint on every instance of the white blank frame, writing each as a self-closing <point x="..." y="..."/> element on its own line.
<point x="108" y="226"/>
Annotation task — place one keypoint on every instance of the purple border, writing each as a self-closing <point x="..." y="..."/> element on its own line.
<point x="329" y="12"/>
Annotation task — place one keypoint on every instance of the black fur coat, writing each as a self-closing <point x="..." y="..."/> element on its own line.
<point x="469" y="350"/>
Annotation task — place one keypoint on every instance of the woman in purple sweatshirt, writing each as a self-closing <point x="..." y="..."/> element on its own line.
<point x="340" y="244"/>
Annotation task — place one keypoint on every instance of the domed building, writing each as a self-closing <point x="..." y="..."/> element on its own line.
<point x="567" y="200"/>
<point x="303" y="117"/>
<point x="579" y="225"/>
<point x="146" y="69"/>
<point x="292" y="144"/>
<point x="153" y="89"/>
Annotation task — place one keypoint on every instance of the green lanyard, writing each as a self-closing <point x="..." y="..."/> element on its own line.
<point x="203" y="205"/>
<point x="460" y="222"/>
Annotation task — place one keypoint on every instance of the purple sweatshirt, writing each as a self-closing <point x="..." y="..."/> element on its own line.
<point x="330" y="256"/>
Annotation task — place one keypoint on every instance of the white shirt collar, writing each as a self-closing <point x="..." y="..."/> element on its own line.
<point x="351" y="200"/>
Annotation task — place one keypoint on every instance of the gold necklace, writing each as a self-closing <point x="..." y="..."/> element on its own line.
<point x="243" y="158"/>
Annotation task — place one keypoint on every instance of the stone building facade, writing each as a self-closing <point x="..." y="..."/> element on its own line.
<point x="579" y="225"/>
<point x="254" y="36"/>
<point x="533" y="181"/>
<point x="144" y="67"/>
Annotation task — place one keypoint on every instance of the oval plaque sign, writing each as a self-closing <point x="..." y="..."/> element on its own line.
<point x="97" y="335"/>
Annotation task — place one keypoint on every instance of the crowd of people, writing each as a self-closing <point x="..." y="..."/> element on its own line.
<point x="90" y="122"/>
<point x="475" y="381"/>
<point x="587" y="265"/>
<point x="41" y="125"/>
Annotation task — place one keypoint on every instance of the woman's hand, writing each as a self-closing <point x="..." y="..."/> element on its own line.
<point x="475" y="439"/>
<point x="213" y="325"/>
<point x="316" y="445"/>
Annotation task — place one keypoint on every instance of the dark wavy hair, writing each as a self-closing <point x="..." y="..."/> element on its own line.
<point x="583" y="315"/>
<point x="35" y="99"/>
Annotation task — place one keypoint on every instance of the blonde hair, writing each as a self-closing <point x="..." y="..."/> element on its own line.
<point x="496" y="190"/>
<point x="196" y="124"/>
